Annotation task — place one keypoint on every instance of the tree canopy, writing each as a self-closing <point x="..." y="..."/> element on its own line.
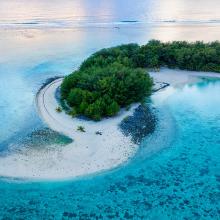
<point x="97" y="92"/>
<point x="116" y="77"/>
<point x="196" y="56"/>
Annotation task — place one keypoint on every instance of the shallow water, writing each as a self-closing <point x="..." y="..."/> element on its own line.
<point x="182" y="180"/>
<point x="43" y="39"/>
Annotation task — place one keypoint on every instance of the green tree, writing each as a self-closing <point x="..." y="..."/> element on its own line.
<point x="75" y="97"/>
<point x="112" y="109"/>
<point x="83" y="106"/>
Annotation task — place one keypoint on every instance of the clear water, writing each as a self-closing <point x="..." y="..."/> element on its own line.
<point x="42" y="39"/>
<point x="180" y="182"/>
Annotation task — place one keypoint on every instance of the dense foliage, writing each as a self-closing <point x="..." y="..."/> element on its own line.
<point x="196" y="56"/>
<point x="97" y="92"/>
<point x="115" y="77"/>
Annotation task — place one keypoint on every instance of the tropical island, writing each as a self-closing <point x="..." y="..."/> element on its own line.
<point x="98" y="92"/>
<point x="108" y="88"/>
<point x="116" y="77"/>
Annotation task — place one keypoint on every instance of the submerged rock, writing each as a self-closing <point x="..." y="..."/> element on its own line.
<point x="159" y="85"/>
<point x="39" y="139"/>
<point x="140" y="124"/>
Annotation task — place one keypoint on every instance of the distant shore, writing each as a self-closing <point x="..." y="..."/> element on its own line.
<point x="90" y="152"/>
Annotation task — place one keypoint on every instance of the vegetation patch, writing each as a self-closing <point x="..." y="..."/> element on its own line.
<point x="58" y="109"/>
<point x="100" y="92"/>
<point x="81" y="129"/>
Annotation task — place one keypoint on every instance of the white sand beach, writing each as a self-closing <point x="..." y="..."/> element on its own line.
<point x="88" y="153"/>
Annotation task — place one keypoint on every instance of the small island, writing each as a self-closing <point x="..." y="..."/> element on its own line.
<point x="97" y="92"/>
<point x="116" y="77"/>
<point x="90" y="105"/>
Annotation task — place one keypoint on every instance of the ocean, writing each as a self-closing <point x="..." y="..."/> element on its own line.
<point x="40" y="39"/>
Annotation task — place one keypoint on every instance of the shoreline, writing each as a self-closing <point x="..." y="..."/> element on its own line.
<point x="177" y="77"/>
<point x="89" y="153"/>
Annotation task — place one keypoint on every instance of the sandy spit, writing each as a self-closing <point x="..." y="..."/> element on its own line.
<point x="88" y="153"/>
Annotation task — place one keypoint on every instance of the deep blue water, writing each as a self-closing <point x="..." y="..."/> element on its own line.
<point x="175" y="174"/>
